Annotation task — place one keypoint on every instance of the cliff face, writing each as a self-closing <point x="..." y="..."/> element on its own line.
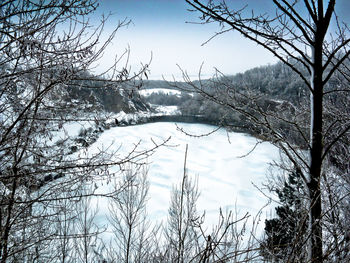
<point x="109" y="99"/>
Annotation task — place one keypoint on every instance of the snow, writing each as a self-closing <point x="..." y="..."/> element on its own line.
<point x="147" y="92"/>
<point x="134" y="118"/>
<point x="224" y="178"/>
<point x="72" y="129"/>
<point x="130" y="118"/>
<point x="166" y="110"/>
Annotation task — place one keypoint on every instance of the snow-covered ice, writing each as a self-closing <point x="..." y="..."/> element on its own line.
<point x="224" y="179"/>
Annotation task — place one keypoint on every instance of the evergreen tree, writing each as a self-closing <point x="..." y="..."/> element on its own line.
<point x="284" y="234"/>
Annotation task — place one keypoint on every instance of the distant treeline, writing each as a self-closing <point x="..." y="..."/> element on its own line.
<point x="281" y="87"/>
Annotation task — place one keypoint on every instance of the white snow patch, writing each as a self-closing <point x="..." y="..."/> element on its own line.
<point x="71" y="129"/>
<point x="148" y="92"/>
<point x="166" y="110"/>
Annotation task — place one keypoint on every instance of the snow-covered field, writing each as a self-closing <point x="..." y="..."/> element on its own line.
<point x="224" y="179"/>
<point x="147" y="92"/>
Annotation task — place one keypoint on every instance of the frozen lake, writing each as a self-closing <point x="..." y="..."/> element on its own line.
<point x="224" y="177"/>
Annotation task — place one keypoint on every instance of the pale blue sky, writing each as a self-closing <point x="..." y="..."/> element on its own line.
<point x="159" y="27"/>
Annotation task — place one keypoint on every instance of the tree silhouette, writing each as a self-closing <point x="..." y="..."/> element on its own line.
<point x="297" y="34"/>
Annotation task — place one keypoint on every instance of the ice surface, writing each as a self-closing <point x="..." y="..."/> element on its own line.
<point x="224" y="179"/>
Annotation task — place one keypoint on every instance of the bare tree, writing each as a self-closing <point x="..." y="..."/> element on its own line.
<point x="298" y="34"/>
<point x="66" y="213"/>
<point x="181" y="236"/>
<point x="133" y="232"/>
<point x="86" y="237"/>
<point x="46" y="47"/>
<point x="189" y="238"/>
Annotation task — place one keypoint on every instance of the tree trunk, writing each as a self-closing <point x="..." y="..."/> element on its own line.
<point x="315" y="209"/>
<point x="5" y="237"/>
